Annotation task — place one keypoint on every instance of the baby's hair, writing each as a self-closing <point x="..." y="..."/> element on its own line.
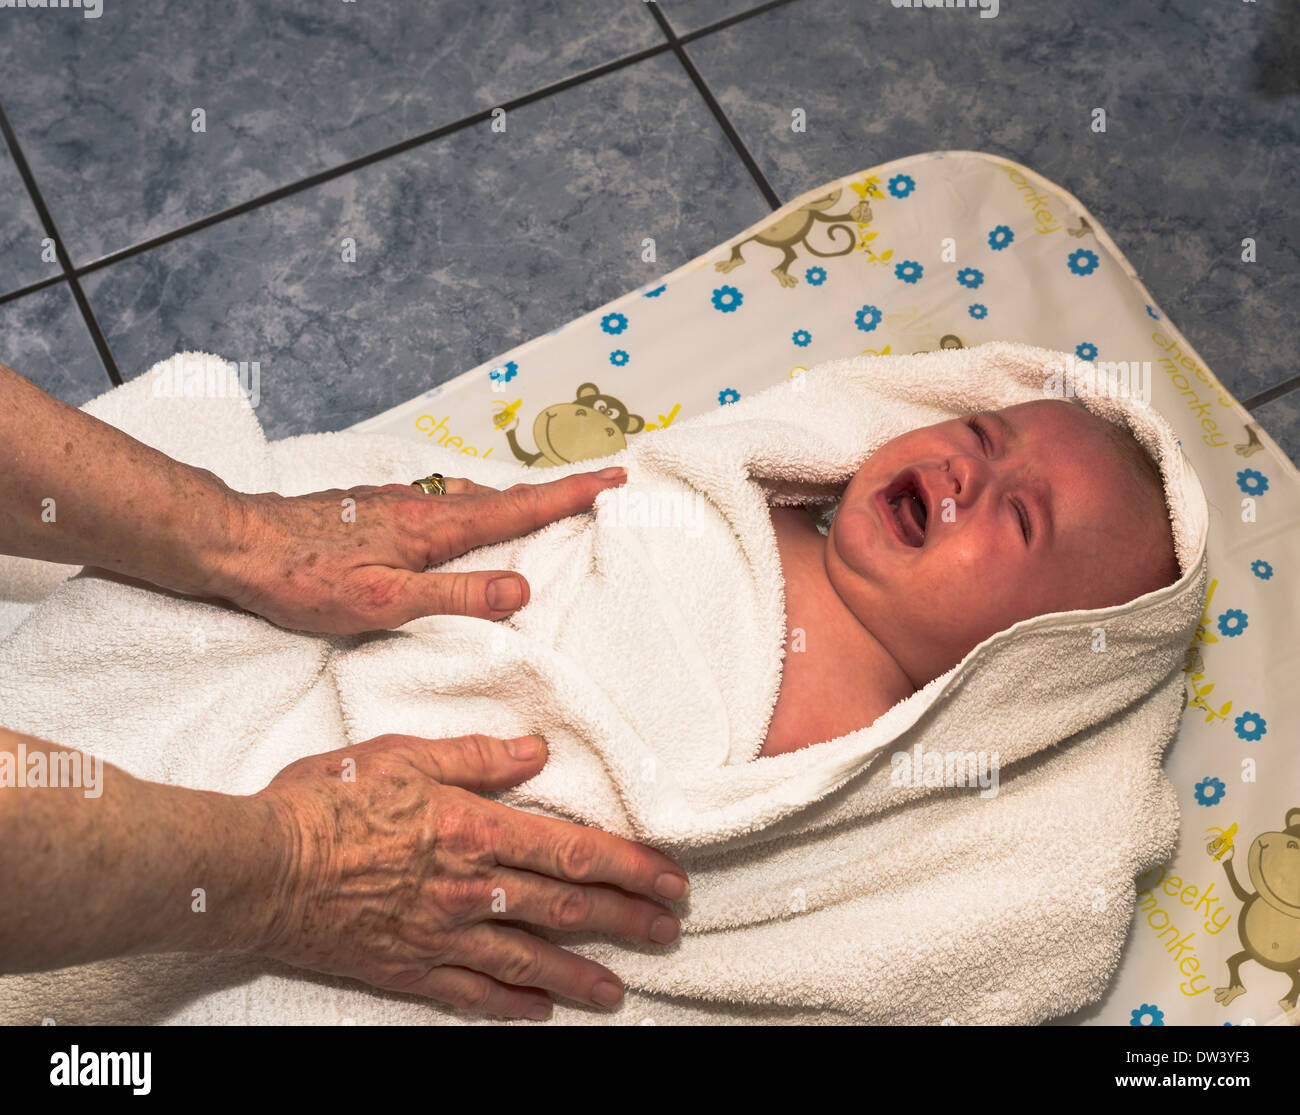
<point x="1146" y="475"/>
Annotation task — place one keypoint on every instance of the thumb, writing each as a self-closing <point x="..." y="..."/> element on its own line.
<point x="481" y="763"/>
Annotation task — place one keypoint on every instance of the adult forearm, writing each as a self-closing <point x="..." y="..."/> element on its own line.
<point x="75" y="490"/>
<point x="135" y="867"/>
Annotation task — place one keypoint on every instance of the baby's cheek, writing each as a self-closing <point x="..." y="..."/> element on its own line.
<point x="965" y="561"/>
<point x="981" y="585"/>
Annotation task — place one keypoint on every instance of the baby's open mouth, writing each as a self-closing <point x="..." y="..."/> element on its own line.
<point x="907" y="500"/>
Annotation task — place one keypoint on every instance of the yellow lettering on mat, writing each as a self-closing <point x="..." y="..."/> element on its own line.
<point x="427" y="426"/>
<point x="1042" y="214"/>
<point x="1160" y="900"/>
<point x="1174" y="365"/>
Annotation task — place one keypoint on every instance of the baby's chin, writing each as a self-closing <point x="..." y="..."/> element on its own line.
<point x="855" y="540"/>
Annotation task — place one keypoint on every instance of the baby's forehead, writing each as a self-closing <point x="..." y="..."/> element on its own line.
<point x="1049" y="424"/>
<point x="1062" y="413"/>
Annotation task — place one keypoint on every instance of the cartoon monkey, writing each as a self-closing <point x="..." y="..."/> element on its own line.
<point x="1083" y="229"/>
<point x="1269" y="923"/>
<point x="593" y="425"/>
<point x="793" y="229"/>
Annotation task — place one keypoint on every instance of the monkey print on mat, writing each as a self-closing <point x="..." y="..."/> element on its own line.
<point x="592" y="425"/>
<point x="793" y="229"/>
<point x="1269" y="924"/>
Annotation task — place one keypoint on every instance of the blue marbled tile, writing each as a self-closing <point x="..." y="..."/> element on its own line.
<point x="43" y="337"/>
<point x="465" y="247"/>
<point x="103" y="106"/>
<point x="1201" y="148"/>
<point x="20" y="232"/>
<point x="691" y="15"/>
<point x="1281" y="420"/>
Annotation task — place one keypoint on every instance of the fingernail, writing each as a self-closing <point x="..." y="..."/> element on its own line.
<point x="612" y="474"/>
<point x="523" y="749"/>
<point x="662" y="930"/>
<point x="672" y="887"/>
<point x="606" y="994"/>
<point x="505" y="594"/>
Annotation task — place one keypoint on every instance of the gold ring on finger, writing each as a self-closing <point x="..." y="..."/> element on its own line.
<point x="431" y="485"/>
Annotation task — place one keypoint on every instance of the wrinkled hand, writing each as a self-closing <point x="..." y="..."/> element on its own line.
<point x="405" y="879"/>
<point x="343" y="562"/>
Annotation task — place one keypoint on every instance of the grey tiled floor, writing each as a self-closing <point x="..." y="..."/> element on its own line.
<point x="625" y="119"/>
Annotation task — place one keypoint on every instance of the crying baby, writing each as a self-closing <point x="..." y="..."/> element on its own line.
<point x="948" y="534"/>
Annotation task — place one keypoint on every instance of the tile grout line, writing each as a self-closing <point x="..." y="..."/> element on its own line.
<point x="31" y="288"/>
<point x="65" y="261"/>
<point x="723" y="24"/>
<point x="1269" y="394"/>
<point x="760" y="179"/>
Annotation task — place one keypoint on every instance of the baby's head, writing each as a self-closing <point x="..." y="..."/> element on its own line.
<point x="953" y="532"/>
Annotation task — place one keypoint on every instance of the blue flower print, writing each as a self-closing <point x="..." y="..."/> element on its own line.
<point x="815" y="276"/>
<point x="727" y="299"/>
<point x="656" y="292"/>
<point x="613" y="323"/>
<point x="1147" y="1015"/>
<point x="909" y="270"/>
<point x="901" y="185"/>
<point x="1233" y="622"/>
<point x="1000" y="237"/>
<point x="1210" y="791"/>
<point x="978" y="311"/>
<point x="1261" y="569"/>
<point x="728" y="395"/>
<point x="1250" y="726"/>
<point x="1085" y="350"/>
<point x="618" y="358"/>
<point x="970" y="277"/>
<point x="1083" y="262"/>
<point x="1251" y="482"/>
<point x="802" y="338"/>
<point x="506" y="374"/>
<point x="1151" y="313"/>
<point x="867" y="318"/>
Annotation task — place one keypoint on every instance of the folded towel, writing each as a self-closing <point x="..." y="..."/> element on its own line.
<point x="649" y="657"/>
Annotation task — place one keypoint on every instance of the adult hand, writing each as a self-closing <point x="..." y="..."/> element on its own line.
<point x="337" y="561"/>
<point x="346" y="561"/>
<point x="407" y="880"/>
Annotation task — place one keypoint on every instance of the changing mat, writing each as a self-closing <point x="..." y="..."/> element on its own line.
<point x="950" y="249"/>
